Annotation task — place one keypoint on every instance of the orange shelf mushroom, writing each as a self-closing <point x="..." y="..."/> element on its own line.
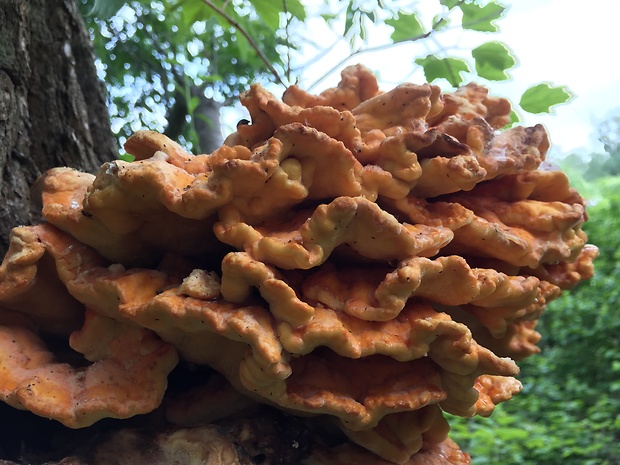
<point x="365" y="260"/>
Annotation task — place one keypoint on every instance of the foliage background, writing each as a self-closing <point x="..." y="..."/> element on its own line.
<point x="159" y="57"/>
<point x="569" y="410"/>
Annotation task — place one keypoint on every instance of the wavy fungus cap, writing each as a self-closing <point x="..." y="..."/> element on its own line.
<point x="363" y="259"/>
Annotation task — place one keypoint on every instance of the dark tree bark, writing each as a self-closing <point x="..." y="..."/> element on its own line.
<point x="206" y="120"/>
<point x="52" y="105"/>
<point x="207" y="123"/>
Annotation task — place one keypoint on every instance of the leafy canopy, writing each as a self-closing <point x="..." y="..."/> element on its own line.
<point x="155" y="54"/>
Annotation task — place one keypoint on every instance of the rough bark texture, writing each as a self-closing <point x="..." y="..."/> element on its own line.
<point x="52" y="105"/>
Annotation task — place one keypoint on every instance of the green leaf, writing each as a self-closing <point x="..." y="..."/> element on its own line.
<point x="439" y="23"/>
<point x="244" y="47"/>
<point x="329" y="17"/>
<point x="406" y="27"/>
<point x="105" y="9"/>
<point x="480" y="18"/>
<point x="269" y="12"/>
<point x="127" y="157"/>
<point x="192" y="103"/>
<point x="446" y="68"/>
<point x="362" y="24"/>
<point x="514" y="117"/>
<point x="542" y="97"/>
<point x="349" y="17"/>
<point x="296" y="9"/>
<point x="212" y="78"/>
<point x="449" y="3"/>
<point x="192" y="11"/>
<point x="492" y="60"/>
<point x="514" y="120"/>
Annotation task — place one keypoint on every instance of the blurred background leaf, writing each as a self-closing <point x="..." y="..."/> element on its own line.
<point x="450" y="69"/>
<point x="543" y="97"/>
<point x="492" y="60"/>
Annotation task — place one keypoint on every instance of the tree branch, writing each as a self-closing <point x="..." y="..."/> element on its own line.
<point x="378" y="48"/>
<point x="288" y="45"/>
<point x="247" y="36"/>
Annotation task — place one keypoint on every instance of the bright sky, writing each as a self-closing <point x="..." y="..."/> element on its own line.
<point x="565" y="42"/>
<point x="572" y="43"/>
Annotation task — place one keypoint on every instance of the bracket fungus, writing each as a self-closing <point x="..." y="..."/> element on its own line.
<point x="363" y="260"/>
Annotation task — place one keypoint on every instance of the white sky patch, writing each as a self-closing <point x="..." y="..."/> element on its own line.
<point x="569" y="43"/>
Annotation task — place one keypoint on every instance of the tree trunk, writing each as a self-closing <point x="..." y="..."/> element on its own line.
<point x="207" y="124"/>
<point x="206" y="115"/>
<point x="52" y="104"/>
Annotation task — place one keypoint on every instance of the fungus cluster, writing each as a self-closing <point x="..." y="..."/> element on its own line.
<point x="364" y="260"/>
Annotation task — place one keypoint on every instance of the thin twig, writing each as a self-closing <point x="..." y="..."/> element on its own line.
<point x="321" y="53"/>
<point x="378" y="48"/>
<point x="248" y="37"/>
<point x="288" y="43"/>
<point x="478" y="21"/>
